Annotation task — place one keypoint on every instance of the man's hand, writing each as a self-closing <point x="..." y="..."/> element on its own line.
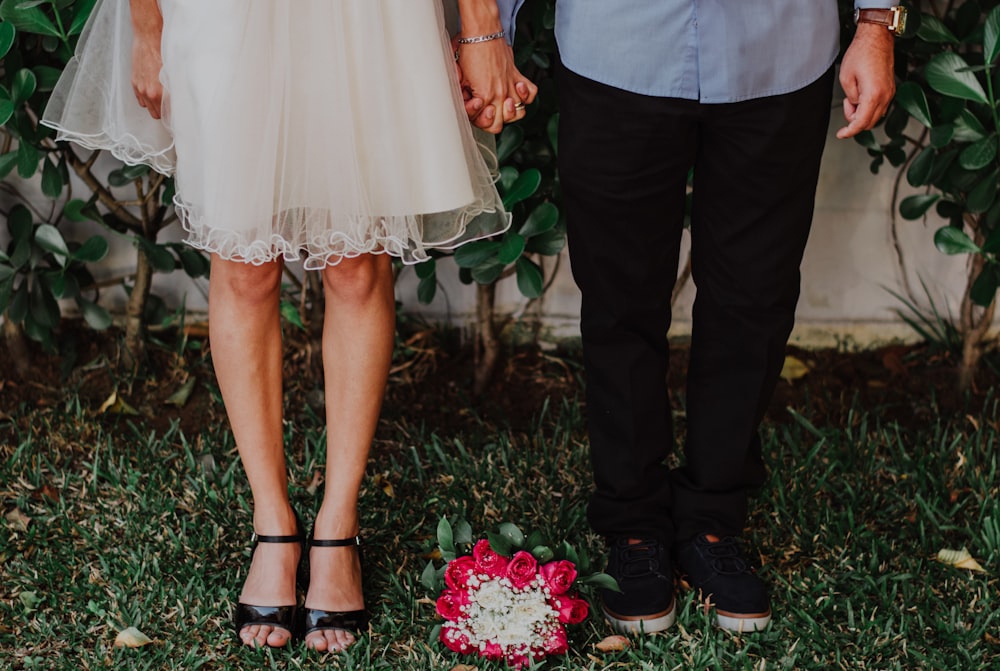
<point x="867" y="78"/>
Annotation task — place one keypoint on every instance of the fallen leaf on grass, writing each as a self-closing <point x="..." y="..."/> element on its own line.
<point x="181" y="396"/>
<point x="383" y="483"/>
<point x="793" y="369"/>
<point x="959" y="559"/>
<point x="29" y="600"/>
<point x="116" y="405"/>
<point x="16" y="518"/>
<point x="131" y="638"/>
<point x="612" y="644"/>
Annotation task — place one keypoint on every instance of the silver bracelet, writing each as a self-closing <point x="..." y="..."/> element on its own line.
<point x="482" y="38"/>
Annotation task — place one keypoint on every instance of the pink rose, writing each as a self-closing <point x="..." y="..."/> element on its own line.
<point x="491" y="650"/>
<point x="571" y="611"/>
<point x="555" y="642"/>
<point x="518" y="661"/>
<point x="522" y="569"/>
<point x="450" y="603"/>
<point x="487" y="561"/>
<point x="559" y="575"/>
<point x="458" y="571"/>
<point x="454" y="639"/>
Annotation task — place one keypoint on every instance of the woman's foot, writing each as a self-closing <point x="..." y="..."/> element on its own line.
<point x="265" y="613"/>
<point x="270" y="582"/>
<point x="334" y="591"/>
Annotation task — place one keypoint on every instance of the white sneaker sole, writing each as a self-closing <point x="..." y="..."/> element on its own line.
<point x="740" y="624"/>
<point x="642" y="625"/>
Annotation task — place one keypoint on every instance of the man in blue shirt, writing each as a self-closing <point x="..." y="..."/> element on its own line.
<point x="740" y="91"/>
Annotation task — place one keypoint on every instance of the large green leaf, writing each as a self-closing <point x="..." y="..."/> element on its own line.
<point x="980" y="154"/>
<point x="984" y="289"/>
<point x="947" y="73"/>
<point x="541" y="220"/>
<point x="91" y="251"/>
<point x="549" y="243"/>
<point x="511" y="248"/>
<point x="912" y="98"/>
<point x="914" y="207"/>
<point x="96" y="316"/>
<point x="7" y="35"/>
<point x="991" y="36"/>
<point x="529" y="278"/>
<point x="934" y="31"/>
<point x="83" y="8"/>
<point x="524" y="187"/>
<point x="51" y="240"/>
<point x="27" y="18"/>
<point x="475" y="253"/>
<point x="24" y="86"/>
<point x="983" y="195"/>
<point x="968" y="127"/>
<point x="952" y="240"/>
<point x="159" y="256"/>
<point x="427" y="289"/>
<point x="922" y="167"/>
<point x="487" y="273"/>
<point x="52" y="182"/>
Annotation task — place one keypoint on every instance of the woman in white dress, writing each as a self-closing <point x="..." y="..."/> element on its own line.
<point x="329" y="131"/>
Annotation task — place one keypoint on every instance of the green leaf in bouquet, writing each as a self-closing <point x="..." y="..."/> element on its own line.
<point x="569" y="552"/>
<point x="543" y="553"/>
<point x="513" y="534"/>
<point x="428" y="578"/>
<point x="462" y="533"/>
<point x="602" y="580"/>
<point x="446" y="538"/>
<point x="534" y="539"/>
<point x="500" y="543"/>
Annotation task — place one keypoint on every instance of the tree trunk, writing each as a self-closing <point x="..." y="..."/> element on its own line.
<point x="487" y="346"/>
<point x="135" y="315"/>
<point x="973" y="326"/>
<point x="17" y="349"/>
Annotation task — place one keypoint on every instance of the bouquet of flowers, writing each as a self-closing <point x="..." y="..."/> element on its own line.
<point x="510" y="598"/>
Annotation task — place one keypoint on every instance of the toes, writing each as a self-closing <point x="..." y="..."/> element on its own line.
<point x="329" y="640"/>
<point x="259" y="635"/>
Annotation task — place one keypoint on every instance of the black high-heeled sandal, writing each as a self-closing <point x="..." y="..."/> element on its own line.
<point x="354" y="621"/>
<point x="279" y="617"/>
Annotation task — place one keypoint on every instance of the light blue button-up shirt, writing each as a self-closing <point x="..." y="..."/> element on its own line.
<point x="713" y="51"/>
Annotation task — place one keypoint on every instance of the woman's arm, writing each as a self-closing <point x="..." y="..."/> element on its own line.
<point x="147" y="26"/>
<point x="488" y="69"/>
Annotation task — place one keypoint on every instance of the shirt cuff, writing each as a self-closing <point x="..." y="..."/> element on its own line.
<point x="875" y="4"/>
<point x="508" y="16"/>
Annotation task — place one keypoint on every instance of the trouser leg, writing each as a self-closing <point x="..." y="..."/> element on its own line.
<point x="623" y="162"/>
<point x="754" y="184"/>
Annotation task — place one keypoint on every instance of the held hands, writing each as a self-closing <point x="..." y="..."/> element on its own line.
<point x="495" y="92"/>
<point x="866" y="76"/>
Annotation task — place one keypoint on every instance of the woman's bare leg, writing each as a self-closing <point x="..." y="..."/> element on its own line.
<point x="358" y="337"/>
<point x="245" y="333"/>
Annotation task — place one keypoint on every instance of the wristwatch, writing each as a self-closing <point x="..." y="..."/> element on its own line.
<point x="893" y="18"/>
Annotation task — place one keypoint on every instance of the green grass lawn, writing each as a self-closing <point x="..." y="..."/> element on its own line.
<point x="109" y="525"/>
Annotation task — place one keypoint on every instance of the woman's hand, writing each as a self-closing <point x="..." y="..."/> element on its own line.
<point x="147" y="24"/>
<point x="495" y="91"/>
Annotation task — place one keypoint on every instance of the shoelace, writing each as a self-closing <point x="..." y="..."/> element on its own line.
<point x="639" y="559"/>
<point x="726" y="557"/>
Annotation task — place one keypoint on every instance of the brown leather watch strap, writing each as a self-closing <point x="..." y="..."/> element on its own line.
<point x="882" y="17"/>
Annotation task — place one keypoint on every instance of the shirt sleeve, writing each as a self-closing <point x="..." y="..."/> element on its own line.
<point x="874" y="4"/>
<point x="508" y="15"/>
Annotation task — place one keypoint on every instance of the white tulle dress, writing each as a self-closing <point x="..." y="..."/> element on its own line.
<point x="299" y="129"/>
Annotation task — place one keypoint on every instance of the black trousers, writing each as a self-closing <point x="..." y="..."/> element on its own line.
<point x="624" y="160"/>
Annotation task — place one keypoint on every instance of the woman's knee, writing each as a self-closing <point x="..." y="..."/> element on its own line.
<point x="246" y="282"/>
<point x="357" y="278"/>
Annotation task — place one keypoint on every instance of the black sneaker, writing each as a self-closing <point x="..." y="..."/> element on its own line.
<point x="646" y="601"/>
<point x="717" y="568"/>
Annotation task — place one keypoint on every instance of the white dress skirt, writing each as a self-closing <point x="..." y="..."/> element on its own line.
<point x="299" y="129"/>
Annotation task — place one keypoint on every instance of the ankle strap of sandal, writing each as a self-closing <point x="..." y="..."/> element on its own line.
<point x="337" y="543"/>
<point x="297" y="538"/>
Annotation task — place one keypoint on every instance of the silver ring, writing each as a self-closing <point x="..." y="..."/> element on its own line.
<point x="519" y="106"/>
